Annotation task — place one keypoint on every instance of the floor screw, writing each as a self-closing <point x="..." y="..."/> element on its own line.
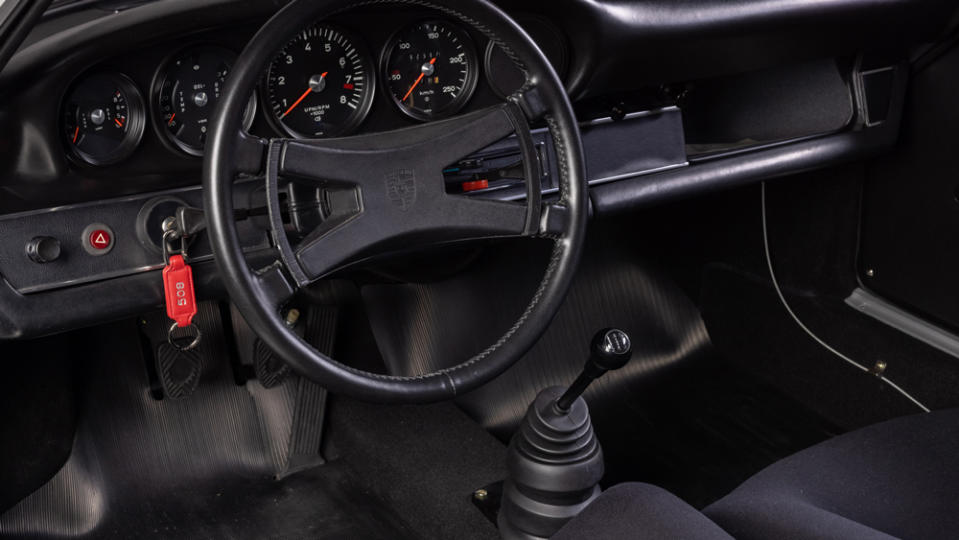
<point x="480" y="494"/>
<point x="292" y="317"/>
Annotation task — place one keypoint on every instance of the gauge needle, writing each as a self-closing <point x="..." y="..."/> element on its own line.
<point x="417" y="81"/>
<point x="118" y="121"/>
<point x="302" y="97"/>
<point x="170" y="123"/>
<point x="76" y="133"/>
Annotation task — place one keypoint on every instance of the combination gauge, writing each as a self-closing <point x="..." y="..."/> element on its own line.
<point x="187" y="89"/>
<point x="103" y="118"/>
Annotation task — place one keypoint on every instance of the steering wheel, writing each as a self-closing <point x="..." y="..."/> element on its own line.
<point x="401" y="200"/>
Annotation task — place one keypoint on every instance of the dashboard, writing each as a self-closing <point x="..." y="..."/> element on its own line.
<point x="331" y="79"/>
<point x="103" y="114"/>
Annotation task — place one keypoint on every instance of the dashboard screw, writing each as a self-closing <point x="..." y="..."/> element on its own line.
<point x="480" y="494"/>
<point x="870" y="272"/>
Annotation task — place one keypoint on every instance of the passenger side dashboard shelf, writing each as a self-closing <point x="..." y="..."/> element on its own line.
<point x="860" y="141"/>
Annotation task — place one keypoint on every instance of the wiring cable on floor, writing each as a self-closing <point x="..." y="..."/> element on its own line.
<point x="782" y="298"/>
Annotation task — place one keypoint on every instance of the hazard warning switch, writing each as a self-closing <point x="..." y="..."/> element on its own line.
<point x="100" y="239"/>
<point x="97" y="239"/>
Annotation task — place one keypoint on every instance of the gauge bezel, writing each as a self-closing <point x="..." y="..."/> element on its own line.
<point x="162" y="74"/>
<point x="361" y="112"/>
<point x="136" y="119"/>
<point x="469" y="87"/>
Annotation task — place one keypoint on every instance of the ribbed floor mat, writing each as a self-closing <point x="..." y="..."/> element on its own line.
<point x="204" y="466"/>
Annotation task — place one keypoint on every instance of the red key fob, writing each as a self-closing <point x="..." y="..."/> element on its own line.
<point x="178" y="288"/>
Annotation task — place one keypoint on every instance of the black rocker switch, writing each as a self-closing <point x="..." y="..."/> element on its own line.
<point x="609" y="350"/>
<point x="43" y="249"/>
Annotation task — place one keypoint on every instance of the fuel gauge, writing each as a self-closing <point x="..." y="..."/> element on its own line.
<point x="103" y="118"/>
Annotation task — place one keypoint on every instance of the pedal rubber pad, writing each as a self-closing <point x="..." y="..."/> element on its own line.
<point x="179" y="371"/>
<point x="269" y="369"/>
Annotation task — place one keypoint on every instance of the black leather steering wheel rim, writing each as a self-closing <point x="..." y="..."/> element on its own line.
<point x="563" y="222"/>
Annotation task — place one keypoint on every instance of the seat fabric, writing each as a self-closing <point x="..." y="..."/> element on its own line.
<point x="640" y="511"/>
<point x="896" y="479"/>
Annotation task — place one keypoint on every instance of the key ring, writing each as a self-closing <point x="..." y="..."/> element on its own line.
<point x="168" y="236"/>
<point x="183" y="348"/>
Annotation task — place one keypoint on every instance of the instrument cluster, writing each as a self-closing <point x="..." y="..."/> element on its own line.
<point x="321" y="83"/>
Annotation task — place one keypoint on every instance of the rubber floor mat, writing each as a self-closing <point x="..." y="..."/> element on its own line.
<point x="204" y="466"/>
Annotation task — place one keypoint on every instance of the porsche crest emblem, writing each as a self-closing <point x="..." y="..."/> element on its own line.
<point x="401" y="188"/>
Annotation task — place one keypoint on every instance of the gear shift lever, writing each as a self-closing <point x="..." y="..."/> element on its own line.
<point x="609" y="350"/>
<point x="555" y="461"/>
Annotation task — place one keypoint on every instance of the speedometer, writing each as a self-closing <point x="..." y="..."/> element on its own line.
<point x="320" y="84"/>
<point x="431" y="69"/>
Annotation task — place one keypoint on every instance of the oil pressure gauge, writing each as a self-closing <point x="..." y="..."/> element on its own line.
<point x="186" y="91"/>
<point x="431" y="69"/>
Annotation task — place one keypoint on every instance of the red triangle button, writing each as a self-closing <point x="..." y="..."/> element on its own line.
<point x="100" y="239"/>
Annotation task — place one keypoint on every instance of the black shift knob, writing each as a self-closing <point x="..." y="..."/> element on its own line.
<point x="609" y="350"/>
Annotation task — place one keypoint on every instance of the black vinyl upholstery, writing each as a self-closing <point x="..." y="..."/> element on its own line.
<point x="896" y="479"/>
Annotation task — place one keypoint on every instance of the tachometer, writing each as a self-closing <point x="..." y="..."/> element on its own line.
<point x="320" y="84"/>
<point x="103" y="118"/>
<point x="187" y="89"/>
<point x="431" y="69"/>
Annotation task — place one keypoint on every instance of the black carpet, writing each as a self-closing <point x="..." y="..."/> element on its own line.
<point x="38" y="408"/>
<point x="425" y="461"/>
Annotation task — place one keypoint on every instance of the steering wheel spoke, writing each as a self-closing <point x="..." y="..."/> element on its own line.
<point x="323" y="251"/>
<point x="250" y="153"/>
<point x="274" y="285"/>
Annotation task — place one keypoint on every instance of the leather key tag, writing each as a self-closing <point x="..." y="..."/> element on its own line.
<point x="178" y="289"/>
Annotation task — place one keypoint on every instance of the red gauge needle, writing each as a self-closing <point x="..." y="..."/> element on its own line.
<point x="76" y="133"/>
<point x="118" y="121"/>
<point x="302" y="97"/>
<point x="170" y="123"/>
<point x="417" y="81"/>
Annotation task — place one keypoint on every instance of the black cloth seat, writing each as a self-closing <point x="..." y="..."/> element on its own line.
<point x="638" y="511"/>
<point x="896" y="479"/>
